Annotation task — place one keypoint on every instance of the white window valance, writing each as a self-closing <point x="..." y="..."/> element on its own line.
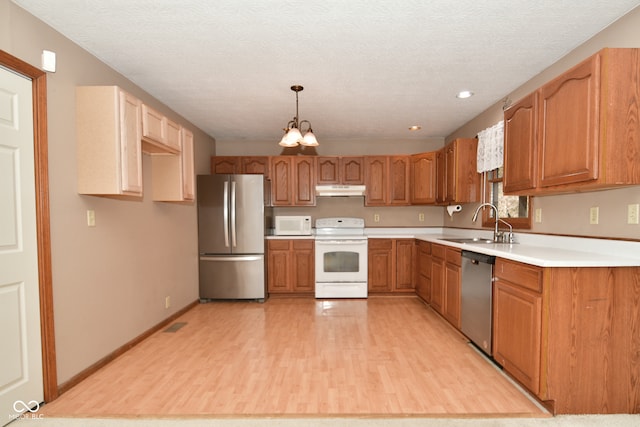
<point x="491" y="148"/>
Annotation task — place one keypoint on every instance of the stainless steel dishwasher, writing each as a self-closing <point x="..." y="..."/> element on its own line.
<point x="476" y="295"/>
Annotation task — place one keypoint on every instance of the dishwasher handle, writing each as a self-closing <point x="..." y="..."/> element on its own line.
<point x="476" y="257"/>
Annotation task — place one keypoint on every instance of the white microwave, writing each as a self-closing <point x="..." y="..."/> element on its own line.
<point x="298" y="225"/>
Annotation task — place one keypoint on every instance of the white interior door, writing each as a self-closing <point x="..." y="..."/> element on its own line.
<point x="21" y="381"/>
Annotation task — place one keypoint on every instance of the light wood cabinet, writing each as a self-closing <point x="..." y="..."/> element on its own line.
<point x="293" y="181"/>
<point x="159" y="134"/>
<point x="391" y="265"/>
<point x="343" y="170"/>
<point x="459" y="172"/>
<point x="446" y="282"/>
<point x="423" y="178"/>
<point x="226" y="165"/>
<point x="582" y="135"/>
<point x="452" y="287"/>
<point x="386" y="180"/>
<point x="259" y="165"/>
<point x="399" y="176"/>
<point x="423" y="270"/>
<point x="291" y="266"/>
<point x="566" y="334"/>
<point x="108" y="132"/>
<point x="380" y="265"/>
<point x="517" y="317"/>
<point x="376" y="172"/>
<point x="173" y="175"/>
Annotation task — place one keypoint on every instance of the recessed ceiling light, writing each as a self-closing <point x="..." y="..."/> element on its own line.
<point x="415" y="127"/>
<point x="464" y="94"/>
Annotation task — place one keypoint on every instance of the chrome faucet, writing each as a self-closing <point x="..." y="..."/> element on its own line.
<point x="497" y="235"/>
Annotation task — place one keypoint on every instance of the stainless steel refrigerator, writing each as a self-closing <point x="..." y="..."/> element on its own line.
<point x="231" y="229"/>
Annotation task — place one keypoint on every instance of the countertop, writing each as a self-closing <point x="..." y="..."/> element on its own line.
<point x="535" y="249"/>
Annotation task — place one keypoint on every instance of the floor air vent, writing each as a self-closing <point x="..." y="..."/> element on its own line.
<point x="175" y="327"/>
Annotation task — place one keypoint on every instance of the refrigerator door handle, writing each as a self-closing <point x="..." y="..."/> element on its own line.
<point x="233" y="214"/>
<point x="225" y="213"/>
<point x="231" y="258"/>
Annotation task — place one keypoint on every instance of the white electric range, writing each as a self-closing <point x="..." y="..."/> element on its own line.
<point x="341" y="258"/>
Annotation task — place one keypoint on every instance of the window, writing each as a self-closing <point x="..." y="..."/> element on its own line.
<point x="516" y="210"/>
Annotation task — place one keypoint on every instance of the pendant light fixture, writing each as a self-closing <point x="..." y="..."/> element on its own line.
<point x="293" y="132"/>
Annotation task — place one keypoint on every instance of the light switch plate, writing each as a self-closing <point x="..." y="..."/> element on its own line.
<point x="632" y="213"/>
<point x="538" y="215"/>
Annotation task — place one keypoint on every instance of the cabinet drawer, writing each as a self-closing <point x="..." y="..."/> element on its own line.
<point x="302" y="244"/>
<point x="527" y="276"/>
<point x="454" y="256"/>
<point x="424" y="246"/>
<point x="279" y="245"/>
<point x="438" y="251"/>
<point x="380" y="244"/>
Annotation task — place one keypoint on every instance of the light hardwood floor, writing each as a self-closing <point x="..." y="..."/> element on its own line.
<point x="300" y="356"/>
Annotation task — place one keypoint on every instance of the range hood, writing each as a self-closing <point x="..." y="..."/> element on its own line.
<point x="339" y="190"/>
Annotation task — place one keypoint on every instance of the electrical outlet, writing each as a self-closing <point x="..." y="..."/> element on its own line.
<point x="376" y="217"/>
<point x="632" y="213"/>
<point x="167" y="302"/>
<point x="538" y="216"/>
<point x="91" y="218"/>
<point x="421" y="217"/>
<point x="594" y="215"/>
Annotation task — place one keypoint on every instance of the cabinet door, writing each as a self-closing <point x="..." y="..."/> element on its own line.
<point x="304" y="181"/>
<point x="278" y="266"/>
<point x="130" y="144"/>
<point x="423" y="178"/>
<point x="188" y="173"/>
<point x="520" y="147"/>
<point x="303" y="264"/>
<point x="258" y="165"/>
<point x="173" y="136"/>
<point x="437" y="283"/>
<point x="451" y="297"/>
<point x="441" y="176"/>
<point x="517" y="317"/>
<point x="423" y="271"/>
<point x="569" y="126"/>
<point x="225" y="164"/>
<point x="352" y="170"/>
<point x="281" y="181"/>
<point x="328" y="170"/>
<point x="375" y="175"/>
<point x="380" y="262"/>
<point x="399" y="180"/>
<point x="450" y="173"/>
<point x="405" y="253"/>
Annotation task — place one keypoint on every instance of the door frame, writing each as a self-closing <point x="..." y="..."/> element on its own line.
<point x="43" y="218"/>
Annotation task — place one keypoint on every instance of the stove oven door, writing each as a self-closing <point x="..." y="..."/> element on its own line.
<point x="341" y="261"/>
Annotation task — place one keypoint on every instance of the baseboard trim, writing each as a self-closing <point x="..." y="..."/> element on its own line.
<point x="76" y="379"/>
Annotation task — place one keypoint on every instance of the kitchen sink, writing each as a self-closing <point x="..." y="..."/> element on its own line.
<point x="476" y="240"/>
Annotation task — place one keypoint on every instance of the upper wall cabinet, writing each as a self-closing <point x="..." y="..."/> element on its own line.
<point x="423" y="178"/>
<point x="585" y="132"/>
<point x="458" y="180"/>
<point x="345" y="170"/>
<point x="173" y="174"/>
<point x="159" y="134"/>
<point x="386" y="180"/>
<point x="293" y="181"/>
<point x="108" y="131"/>
<point x="260" y="165"/>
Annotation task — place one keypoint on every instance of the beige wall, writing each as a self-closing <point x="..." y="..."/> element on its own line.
<point x="569" y="214"/>
<point x="109" y="282"/>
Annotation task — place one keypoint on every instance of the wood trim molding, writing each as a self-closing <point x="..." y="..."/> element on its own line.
<point x="43" y="219"/>
<point x="75" y="380"/>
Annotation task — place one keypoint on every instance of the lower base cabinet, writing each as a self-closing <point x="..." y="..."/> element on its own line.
<point x="290" y="266"/>
<point x="445" y="282"/>
<point x="391" y="266"/>
<point x="570" y="335"/>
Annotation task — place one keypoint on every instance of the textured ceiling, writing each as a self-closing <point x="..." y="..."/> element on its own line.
<point x="370" y="68"/>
